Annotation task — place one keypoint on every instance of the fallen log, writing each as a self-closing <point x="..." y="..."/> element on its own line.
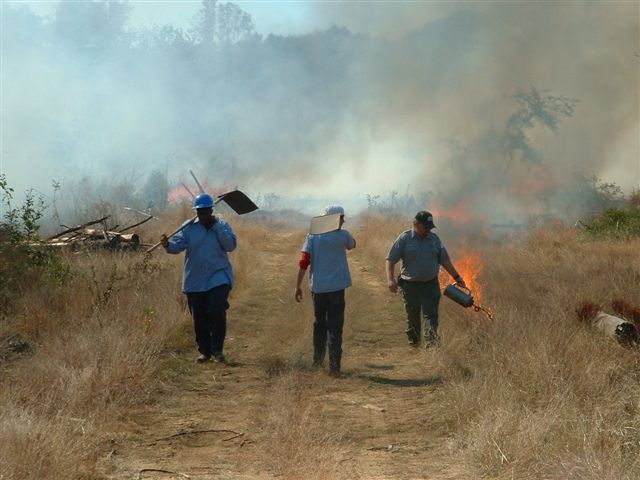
<point x="614" y="327"/>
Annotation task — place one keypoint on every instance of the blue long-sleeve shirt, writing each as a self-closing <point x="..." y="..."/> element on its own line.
<point x="206" y="263"/>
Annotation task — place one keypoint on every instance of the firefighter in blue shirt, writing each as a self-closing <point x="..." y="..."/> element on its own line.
<point x="208" y="276"/>
<point x="326" y="254"/>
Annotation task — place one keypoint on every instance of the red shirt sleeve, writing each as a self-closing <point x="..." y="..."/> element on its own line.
<point x="305" y="260"/>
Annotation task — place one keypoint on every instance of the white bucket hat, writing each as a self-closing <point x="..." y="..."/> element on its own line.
<point x="333" y="209"/>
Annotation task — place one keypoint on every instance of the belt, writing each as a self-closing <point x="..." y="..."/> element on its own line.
<point x="416" y="281"/>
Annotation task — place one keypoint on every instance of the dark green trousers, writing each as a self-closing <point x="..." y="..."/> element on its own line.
<point x="421" y="297"/>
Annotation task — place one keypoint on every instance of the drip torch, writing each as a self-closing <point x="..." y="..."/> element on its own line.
<point x="458" y="295"/>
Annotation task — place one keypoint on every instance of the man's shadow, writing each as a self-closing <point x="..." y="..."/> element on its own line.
<point x="403" y="382"/>
<point x="377" y="366"/>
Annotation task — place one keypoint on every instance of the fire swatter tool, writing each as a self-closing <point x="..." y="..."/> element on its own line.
<point x="236" y="200"/>
<point x="324" y="224"/>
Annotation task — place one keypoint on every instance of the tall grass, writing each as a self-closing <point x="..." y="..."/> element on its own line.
<point x="302" y="442"/>
<point x="94" y="346"/>
<point x="535" y="394"/>
<point x="531" y="394"/>
<point x="97" y="346"/>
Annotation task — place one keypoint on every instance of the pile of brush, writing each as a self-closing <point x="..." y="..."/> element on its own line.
<point x="624" y="327"/>
<point x="82" y="237"/>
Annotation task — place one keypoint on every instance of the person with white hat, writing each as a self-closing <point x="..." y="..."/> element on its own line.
<point x="329" y="277"/>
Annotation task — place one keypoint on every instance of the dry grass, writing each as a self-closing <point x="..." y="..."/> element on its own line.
<point x="533" y="394"/>
<point x="626" y="310"/>
<point x="95" y="344"/>
<point x="302" y="442"/>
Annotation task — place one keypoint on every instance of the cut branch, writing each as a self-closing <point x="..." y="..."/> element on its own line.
<point x="137" y="224"/>
<point x="79" y="227"/>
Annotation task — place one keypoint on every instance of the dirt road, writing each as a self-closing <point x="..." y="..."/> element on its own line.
<point x="267" y="414"/>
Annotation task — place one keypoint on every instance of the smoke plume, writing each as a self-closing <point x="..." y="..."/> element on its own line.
<point x="415" y="98"/>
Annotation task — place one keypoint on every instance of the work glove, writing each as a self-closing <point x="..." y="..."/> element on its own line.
<point x="460" y="282"/>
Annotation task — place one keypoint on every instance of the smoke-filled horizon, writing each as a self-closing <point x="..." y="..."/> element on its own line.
<point x="493" y="108"/>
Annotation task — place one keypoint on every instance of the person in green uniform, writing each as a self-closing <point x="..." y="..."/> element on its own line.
<point x="422" y="254"/>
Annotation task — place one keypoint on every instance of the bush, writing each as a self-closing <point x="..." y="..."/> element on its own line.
<point x="23" y="259"/>
<point x="616" y="223"/>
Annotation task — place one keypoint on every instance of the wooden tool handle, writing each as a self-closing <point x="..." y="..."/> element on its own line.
<point x="182" y="227"/>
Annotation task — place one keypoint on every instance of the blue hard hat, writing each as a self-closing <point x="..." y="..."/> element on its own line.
<point x="203" y="201"/>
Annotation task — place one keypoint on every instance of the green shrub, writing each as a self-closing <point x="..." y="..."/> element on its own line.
<point x="22" y="257"/>
<point x="616" y="223"/>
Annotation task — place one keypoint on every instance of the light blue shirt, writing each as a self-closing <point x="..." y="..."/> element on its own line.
<point x="206" y="263"/>
<point x="329" y="267"/>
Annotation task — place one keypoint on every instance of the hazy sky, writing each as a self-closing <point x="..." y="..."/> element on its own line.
<point x="336" y="113"/>
<point x="290" y="17"/>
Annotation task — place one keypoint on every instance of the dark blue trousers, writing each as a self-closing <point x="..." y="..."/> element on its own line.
<point x="209" y="312"/>
<point x="327" y="328"/>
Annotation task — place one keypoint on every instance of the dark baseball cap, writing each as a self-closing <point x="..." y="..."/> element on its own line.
<point x="425" y="218"/>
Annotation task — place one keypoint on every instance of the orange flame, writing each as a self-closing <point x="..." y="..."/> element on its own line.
<point x="470" y="266"/>
<point x="179" y="193"/>
<point x="458" y="213"/>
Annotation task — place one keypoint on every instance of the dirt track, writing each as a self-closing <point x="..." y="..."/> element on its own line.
<point x="268" y="414"/>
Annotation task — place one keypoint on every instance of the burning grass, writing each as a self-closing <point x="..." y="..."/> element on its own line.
<point x="533" y="394"/>
<point x="548" y="399"/>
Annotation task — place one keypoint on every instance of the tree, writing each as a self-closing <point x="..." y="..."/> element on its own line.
<point x="222" y="24"/>
<point x="92" y="27"/>
<point x="234" y="24"/>
<point x="156" y="191"/>
<point x="534" y="107"/>
<point x="596" y="195"/>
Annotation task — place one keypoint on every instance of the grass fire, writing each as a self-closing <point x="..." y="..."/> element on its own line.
<point x="319" y="240"/>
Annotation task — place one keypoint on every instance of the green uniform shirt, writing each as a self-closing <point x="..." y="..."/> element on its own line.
<point x="421" y="257"/>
